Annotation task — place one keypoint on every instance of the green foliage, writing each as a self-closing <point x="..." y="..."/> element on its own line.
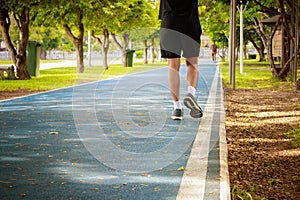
<point x="66" y="45"/>
<point x="214" y="18"/>
<point x="139" y="54"/>
<point x="295" y="134"/>
<point x="50" y="38"/>
<point x="239" y="194"/>
<point x="139" y="14"/>
<point x="105" y="15"/>
<point x="140" y="34"/>
<point x="18" y="6"/>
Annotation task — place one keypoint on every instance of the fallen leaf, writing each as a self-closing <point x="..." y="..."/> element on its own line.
<point x="23" y="195"/>
<point x="147" y="175"/>
<point x="53" y="133"/>
<point x="157" y="189"/>
<point x="182" y="168"/>
<point x="5" y="182"/>
<point x="47" y="145"/>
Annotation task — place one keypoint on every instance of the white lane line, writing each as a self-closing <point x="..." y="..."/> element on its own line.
<point x="194" y="178"/>
<point x="224" y="173"/>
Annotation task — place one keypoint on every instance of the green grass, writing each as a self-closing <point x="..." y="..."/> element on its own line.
<point x="10" y="62"/>
<point x="251" y="61"/>
<point x="6" y="62"/>
<point x="254" y="77"/>
<point x="63" y="77"/>
<point x="50" y="61"/>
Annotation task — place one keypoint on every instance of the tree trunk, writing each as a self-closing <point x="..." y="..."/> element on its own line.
<point x="285" y="70"/>
<point x="145" y="52"/>
<point x="104" y="58"/>
<point x="104" y="46"/>
<point x="275" y="71"/>
<point x="5" y="25"/>
<point x="259" y="48"/>
<point x="152" y="50"/>
<point x="245" y="51"/>
<point x="158" y="56"/>
<point x="122" y="48"/>
<point x="267" y="41"/>
<point x="261" y="53"/>
<point x="264" y="39"/>
<point x="77" y="41"/>
<point x="124" y="59"/>
<point x="79" y="56"/>
<point x="298" y="85"/>
<point x="19" y="58"/>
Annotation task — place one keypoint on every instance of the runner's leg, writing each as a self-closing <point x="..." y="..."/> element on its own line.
<point x="174" y="78"/>
<point x="192" y="71"/>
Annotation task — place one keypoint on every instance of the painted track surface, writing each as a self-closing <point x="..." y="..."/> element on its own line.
<point x="114" y="139"/>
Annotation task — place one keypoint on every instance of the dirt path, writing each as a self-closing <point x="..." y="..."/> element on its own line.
<point x="263" y="160"/>
<point x="11" y="94"/>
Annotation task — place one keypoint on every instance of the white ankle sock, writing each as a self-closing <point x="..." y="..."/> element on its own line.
<point x="177" y="105"/>
<point x="192" y="90"/>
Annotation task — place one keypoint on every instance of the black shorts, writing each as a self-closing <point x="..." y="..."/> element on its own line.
<point x="178" y="38"/>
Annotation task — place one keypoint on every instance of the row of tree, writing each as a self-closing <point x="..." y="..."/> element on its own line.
<point x="122" y="21"/>
<point x="102" y="18"/>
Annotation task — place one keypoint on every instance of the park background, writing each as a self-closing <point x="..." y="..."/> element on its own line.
<point x="104" y="31"/>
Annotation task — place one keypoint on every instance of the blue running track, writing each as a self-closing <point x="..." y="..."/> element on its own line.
<point x="114" y="139"/>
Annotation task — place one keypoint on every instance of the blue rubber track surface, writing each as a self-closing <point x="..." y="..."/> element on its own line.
<point x="110" y="139"/>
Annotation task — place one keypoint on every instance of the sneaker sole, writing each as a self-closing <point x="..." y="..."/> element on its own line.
<point x="195" y="112"/>
<point x="176" y="118"/>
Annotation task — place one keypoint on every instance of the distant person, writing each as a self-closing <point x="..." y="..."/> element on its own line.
<point x="180" y="36"/>
<point x="214" y="49"/>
